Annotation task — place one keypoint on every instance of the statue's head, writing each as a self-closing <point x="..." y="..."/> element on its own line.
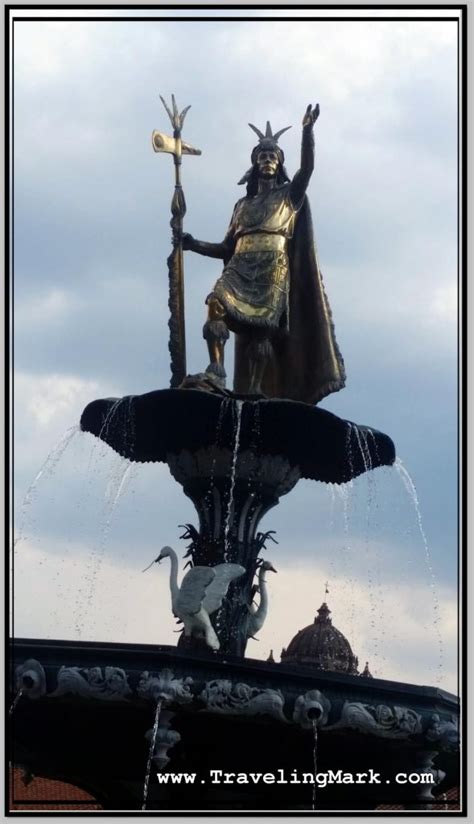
<point x="268" y="163"/>
<point x="267" y="159"/>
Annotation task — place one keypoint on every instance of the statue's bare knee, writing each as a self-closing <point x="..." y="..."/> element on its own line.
<point x="216" y="334"/>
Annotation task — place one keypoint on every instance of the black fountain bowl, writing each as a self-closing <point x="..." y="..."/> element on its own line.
<point x="147" y="428"/>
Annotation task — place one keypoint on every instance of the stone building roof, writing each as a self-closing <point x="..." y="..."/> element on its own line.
<point x="322" y="646"/>
<point x="447" y="801"/>
<point x="34" y="793"/>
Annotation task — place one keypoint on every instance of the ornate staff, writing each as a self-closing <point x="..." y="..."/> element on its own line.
<point x="177" y="147"/>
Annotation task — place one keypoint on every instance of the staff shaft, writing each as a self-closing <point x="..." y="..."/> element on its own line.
<point x="163" y="143"/>
<point x="177" y="342"/>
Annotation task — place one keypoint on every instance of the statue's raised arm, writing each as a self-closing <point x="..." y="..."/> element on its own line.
<point x="299" y="184"/>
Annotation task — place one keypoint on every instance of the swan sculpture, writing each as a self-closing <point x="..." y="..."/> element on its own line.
<point x="201" y="594"/>
<point x="258" y="614"/>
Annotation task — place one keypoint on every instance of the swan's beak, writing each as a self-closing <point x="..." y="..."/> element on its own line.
<point x="156" y="561"/>
<point x="272" y="569"/>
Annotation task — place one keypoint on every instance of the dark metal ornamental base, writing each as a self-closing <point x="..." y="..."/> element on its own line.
<point x="321" y="445"/>
<point x="87" y="708"/>
<point x="234" y="457"/>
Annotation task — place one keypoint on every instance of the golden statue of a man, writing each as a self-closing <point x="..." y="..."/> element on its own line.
<point x="270" y="292"/>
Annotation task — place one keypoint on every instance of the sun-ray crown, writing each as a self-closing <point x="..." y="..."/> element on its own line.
<point x="268" y="132"/>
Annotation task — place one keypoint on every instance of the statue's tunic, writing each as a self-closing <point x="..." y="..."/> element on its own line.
<point x="254" y="286"/>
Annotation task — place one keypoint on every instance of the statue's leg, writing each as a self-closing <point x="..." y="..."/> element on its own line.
<point x="259" y="351"/>
<point x="216" y="333"/>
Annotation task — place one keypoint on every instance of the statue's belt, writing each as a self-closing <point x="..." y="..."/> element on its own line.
<point x="260" y="242"/>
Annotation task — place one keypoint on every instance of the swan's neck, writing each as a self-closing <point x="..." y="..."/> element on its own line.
<point x="262" y="585"/>
<point x="174" y="579"/>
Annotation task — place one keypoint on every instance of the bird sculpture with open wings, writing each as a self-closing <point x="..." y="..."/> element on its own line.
<point x="201" y="594"/>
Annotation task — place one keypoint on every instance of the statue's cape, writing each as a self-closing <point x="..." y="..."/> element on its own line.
<point x="307" y="364"/>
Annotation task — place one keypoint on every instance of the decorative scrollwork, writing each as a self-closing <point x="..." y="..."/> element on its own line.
<point x="91" y="683"/>
<point x="444" y="732"/>
<point x="226" y="698"/>
<point x="380" y="720"/>
<point x="165" y="687"/>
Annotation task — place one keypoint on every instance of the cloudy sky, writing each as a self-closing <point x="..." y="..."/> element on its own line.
<point x="91" y="210"/>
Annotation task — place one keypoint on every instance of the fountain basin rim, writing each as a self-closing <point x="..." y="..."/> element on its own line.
<point x="165" y="655"/>
<point x="323" y="447"/>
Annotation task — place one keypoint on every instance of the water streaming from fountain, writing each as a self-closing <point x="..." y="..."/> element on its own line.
<point x="222" y="412"/>
<point x="15" y="701"/>
<point x="230" y="503"/>
<point x="413" y="495"/>
<point x="47" y="468"/>
<point x="362" y="443"/>
<point x="349" y="449"/>
<point x="132" y="427"/>
<point x="115" y="615"/>
<point x="104" y="430"/>
<point x="113" y="494"/>
<point x="256" y="423"/>
<point x="365" y="454"/>
<point x="375" y="445"/>
<point x="86" y="499"/>
<point x="331" y="530"/>
<point x="116" y="485"/>
<point x="254" y="482"/>
<point x="151" y="752"/>
<point x="345" y="492"/>
<point x="378" y="604"/>
<point x="315" y="761"/>
<point x="101" y="439"/>
<point x="90" y="479"/>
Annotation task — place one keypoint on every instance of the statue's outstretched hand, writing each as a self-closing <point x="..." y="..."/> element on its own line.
<point x="187" y="241"/>
<point x="311" y="115"/>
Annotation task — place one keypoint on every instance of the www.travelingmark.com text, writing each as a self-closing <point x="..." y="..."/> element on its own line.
<point x="322" y="779"/>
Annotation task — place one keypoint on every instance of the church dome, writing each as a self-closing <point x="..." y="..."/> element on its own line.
<point x="322" y="646"/>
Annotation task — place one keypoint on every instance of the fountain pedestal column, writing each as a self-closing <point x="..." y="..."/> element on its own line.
<point x="235" y="458"/>
<point x="231" y="492"/>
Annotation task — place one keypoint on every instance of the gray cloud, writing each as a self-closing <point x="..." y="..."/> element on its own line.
<point x="92" y="235"/>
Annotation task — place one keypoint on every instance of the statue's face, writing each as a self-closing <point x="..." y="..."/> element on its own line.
<point x="267" y="163"/>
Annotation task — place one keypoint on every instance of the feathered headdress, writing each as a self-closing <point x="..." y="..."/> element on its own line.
<point x="267" y="142"/>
